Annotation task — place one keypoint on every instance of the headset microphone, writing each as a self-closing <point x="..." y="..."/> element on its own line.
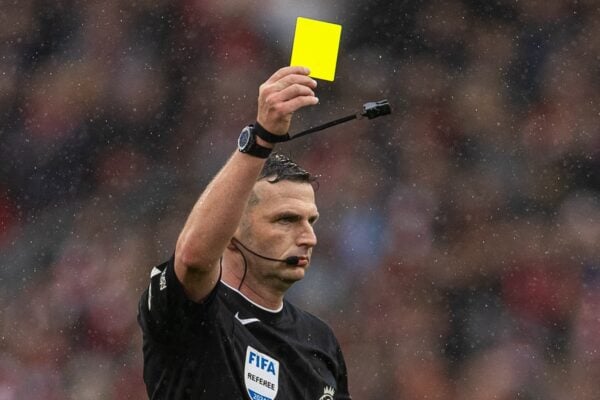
<point x="292" y="260"/>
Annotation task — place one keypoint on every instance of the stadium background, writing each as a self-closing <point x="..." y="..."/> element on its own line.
<point x="458" y="251"/>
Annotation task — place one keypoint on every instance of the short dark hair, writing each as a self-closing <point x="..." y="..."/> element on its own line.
<point x="279" y="167"/>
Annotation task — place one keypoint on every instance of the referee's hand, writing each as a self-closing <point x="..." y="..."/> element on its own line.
<point x="286" y="91"/>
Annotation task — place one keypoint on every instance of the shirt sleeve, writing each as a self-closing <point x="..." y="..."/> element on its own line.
<point x="166" y="314"/>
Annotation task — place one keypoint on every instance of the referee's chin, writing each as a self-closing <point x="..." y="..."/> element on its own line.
<point x="292" y="274"/>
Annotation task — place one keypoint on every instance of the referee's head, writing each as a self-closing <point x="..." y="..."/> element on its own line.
<point x="277" y="222"/>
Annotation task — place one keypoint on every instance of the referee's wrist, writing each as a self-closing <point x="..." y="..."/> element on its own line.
<point x="267" y="136"/>
<point x="264" y="143"/>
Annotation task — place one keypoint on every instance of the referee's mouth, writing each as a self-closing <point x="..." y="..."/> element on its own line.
<point x="303" y="261"/>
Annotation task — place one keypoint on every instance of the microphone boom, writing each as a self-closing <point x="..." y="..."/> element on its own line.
<point x="292" y="260"/>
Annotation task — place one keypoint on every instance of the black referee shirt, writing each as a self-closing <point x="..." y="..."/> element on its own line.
<point x="229" y="348"/>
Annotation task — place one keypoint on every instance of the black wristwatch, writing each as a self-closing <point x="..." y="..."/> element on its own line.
<point x="247" y="143"/>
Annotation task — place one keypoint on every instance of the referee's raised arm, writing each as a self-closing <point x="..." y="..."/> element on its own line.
<point x="217" y="213"/>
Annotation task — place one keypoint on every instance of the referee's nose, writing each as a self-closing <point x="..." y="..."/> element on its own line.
<point x="307" y="236"/>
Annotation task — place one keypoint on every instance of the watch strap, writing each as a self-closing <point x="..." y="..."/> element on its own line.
<point x="257" y="150"/>
<point x="268" y="136"/>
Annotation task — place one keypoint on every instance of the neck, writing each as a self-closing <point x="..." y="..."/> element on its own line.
<point x="258" y="292"/>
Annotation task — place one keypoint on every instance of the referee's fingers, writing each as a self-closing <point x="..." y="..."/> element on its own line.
<point x="288" y="81"/>
<point x="289" y="93"/>
<point x="297" y="103"/>
<point x="280" y="73"/>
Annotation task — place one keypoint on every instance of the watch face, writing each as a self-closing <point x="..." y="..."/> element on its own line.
<point x="244" y="138"/>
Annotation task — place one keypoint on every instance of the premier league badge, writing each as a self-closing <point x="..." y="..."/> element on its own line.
<point x="261" y="375"/>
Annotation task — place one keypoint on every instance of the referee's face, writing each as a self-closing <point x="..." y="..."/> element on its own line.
<point x="280" y="225"/>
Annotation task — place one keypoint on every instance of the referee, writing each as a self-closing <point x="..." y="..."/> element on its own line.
<point x="214" y="318"/>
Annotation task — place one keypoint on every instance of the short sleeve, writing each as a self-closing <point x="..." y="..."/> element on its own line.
<point x="165" y="313"/>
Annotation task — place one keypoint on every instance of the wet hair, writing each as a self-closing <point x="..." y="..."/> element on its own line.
<point x="279" y="167"/>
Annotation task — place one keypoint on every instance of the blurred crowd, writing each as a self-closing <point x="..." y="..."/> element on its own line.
<point x="458" y="253"/>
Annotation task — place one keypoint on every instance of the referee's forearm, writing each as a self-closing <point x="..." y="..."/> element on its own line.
<point x="217" y="213"/>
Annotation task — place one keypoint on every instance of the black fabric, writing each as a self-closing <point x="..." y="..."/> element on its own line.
<point x="268" y="136"/>
<point x="199" y="350"/>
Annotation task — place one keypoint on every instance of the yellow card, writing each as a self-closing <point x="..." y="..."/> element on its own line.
<point x="316" y="45"/>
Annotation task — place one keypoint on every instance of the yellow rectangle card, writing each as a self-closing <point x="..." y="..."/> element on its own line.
<point x="316" y="45"/>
